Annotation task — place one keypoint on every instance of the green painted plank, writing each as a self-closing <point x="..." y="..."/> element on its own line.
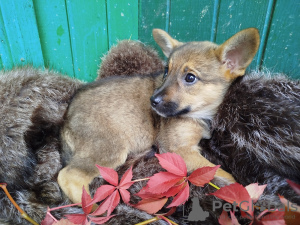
<point x="5" y="54"/>
<point x="283" y="45"/>
<point x="191" y="20"/>
<point x="153" y="14"/>
<point x="236" y="15"/>
<point x="88" y="31"/>
<point x="22" y="33"/>
<point x="122" y="18"/>
<point x="54" y="35"/>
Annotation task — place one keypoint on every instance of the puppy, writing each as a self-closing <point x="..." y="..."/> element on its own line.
<point x="112" y="117"/>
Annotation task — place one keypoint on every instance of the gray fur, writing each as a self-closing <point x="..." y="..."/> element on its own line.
<point x="33" y="103"/>
<point x="30" y="146"/>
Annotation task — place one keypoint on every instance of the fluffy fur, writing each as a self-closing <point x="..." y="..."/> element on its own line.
<point x="256" y="132"/>
<point x="29" y="133"/>
<point x="130" y="58"/>
<point x="33" y="103"/>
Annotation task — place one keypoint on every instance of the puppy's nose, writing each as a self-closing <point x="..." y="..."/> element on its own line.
<point x="155" y="100"/>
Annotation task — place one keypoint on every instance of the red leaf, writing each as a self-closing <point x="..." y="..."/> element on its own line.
<point x="126" y="179"/>
<point x="234" y="219"/>
<point x="203" y="175"/>
<point x="151" y="206"/>
<point x="162" y="182"/>
<point x="174" y="190"/>
<point x="102" y="192"/>
<point x="125" y="195"/>
<point x="173" y="163"/>
<point x="255" y="191"/>
<point x="144" y="194"/>
<point x="236" y="193"/>
<point x="224" y="219"/>
<point x="48" y="220"/>
<point x="274" y="218"/>
<point x="181" y="197"/>
<point x="101" y="220"/>
<point x="109" y="204"/>
<point x="63" y="222"/>
<point x="76" y="218"/>
<point x="109" y="175"/>
<point x="85" y="200"/>
<point x="295" y="186"/>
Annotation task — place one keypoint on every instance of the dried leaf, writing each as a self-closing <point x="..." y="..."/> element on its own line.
<point x="203" y="175"/>
<point x="102" y="192"/>
<point x="101" y="220"/>
<point x="255" y="191"/>
<point x="173" y="163"/>
<point x="181" y="197"/>
<point x="151" y="206"/>
<point x="126" y="182"/>
<point x="85" y="200"/>
<point x="76" y="218"/>
<point x="162" y="182"/>
<point x="295" y="186"/>
<point x="109" y="175"/>
<point x="236" y="193"/>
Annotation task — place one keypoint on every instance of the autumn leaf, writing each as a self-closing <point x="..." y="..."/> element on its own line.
<point x="295" y="186"/>
<point x="63" y="222"/>
<point x="255" y="191"/>
<point x="236" y="193"/>
<point x="151" y="206"/>
<point x="108" y="174"/>
<point x="85" y="200"/>
<point x="101" y="220"/>
<point x="109" y="204"/>
<point x="203" y="175"/>
<point x="162" y="182"/>
<point x="110" y="194"/>
<point x="48" y="220"/>
<point x="274" y="218"/>
<point x="173" y="163"/>
<point x="86" y="207"/>
<point x="181" y="197"/>
<point x="77" y="218"/>
<point x="224" y="219"/>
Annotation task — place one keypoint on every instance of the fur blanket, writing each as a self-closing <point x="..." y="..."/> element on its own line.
<point x="255" y="136"/>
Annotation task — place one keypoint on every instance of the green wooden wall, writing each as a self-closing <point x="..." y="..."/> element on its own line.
<point x="71" y="35"/>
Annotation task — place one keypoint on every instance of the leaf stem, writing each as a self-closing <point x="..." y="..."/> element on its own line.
<point x="64" y="206"/>
<point x="213" y="185"/>
<point x="147" y="178"/>
<point x="23" y="214"/>
<point x="148" y="221"/>
<point x="172" y="222"/>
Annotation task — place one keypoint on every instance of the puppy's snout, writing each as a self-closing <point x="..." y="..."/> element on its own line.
<point x="155" y="100"/>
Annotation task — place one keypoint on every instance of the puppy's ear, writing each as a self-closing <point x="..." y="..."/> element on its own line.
<point x="238" y="51"/>
<point x="165" y="41"/>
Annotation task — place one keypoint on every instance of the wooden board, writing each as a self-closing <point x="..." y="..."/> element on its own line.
<point x="72" y="36"/>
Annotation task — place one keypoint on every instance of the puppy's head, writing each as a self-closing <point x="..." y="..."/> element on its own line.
<point x="198" y="74"/>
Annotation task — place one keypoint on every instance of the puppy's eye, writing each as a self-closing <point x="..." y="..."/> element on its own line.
<point x="190" y="78"/>
<point x="166" y="72"/>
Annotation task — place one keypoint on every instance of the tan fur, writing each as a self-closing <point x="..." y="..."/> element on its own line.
<point x="112" y="117"/>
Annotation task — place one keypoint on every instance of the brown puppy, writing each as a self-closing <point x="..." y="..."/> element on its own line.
<point x="111" y="117"/>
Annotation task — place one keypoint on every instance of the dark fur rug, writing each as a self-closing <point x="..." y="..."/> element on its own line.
<point x="255" y="136"/>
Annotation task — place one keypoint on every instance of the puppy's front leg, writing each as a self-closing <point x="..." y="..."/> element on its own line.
<point x="182" y="136"/>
